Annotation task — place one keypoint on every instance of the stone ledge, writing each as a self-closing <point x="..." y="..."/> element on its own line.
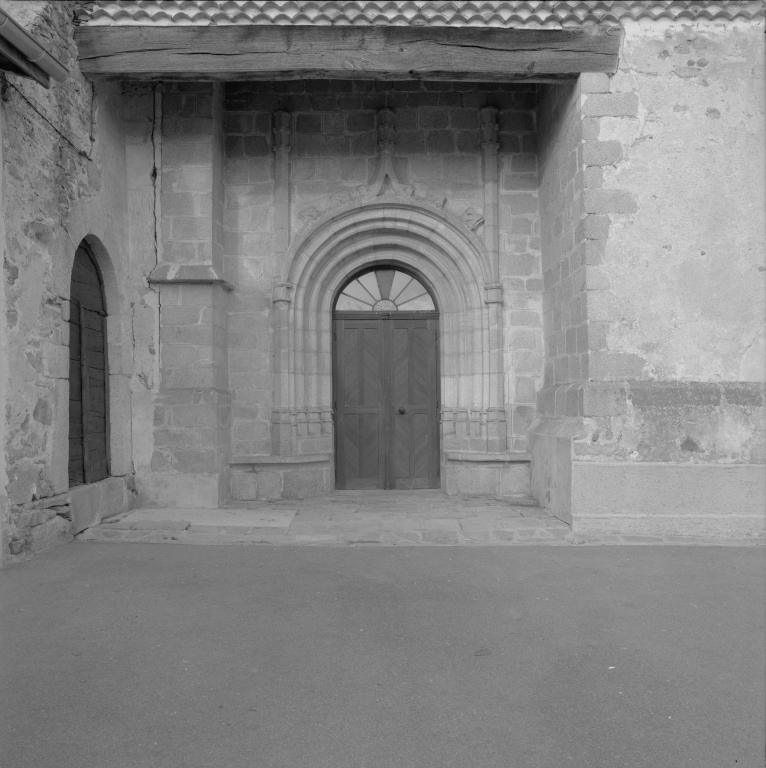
<point x="309" y="458"/>
<point x="499" y="458"/>
<point x="199" y="274"/>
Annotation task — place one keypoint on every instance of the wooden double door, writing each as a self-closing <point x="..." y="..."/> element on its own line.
<point x="386" y="400"/>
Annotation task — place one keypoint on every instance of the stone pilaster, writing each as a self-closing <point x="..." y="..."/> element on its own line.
<point x="193" y="411"/>
<point x="493" y="292"/>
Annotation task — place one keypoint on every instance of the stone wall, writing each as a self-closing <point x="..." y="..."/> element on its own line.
<point x="667" y="211"/>
<point x="437" y="151"/>
<point x="63" y="180"/>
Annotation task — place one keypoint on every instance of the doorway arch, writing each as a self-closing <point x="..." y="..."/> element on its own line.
<point x="414" y="236"/>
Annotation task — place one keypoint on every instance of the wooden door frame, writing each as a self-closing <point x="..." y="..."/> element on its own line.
<point x="388" y="470"/>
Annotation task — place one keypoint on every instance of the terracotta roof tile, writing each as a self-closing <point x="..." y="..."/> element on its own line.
<point x="510" y="14"/>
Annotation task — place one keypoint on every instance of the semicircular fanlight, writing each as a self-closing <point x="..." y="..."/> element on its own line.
<point x="385" y="290"/>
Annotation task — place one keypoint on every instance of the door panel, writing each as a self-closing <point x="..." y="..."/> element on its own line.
<point x="414" y="408"/>
<point x="358" y="364"/>
<point x="386" y="393"/>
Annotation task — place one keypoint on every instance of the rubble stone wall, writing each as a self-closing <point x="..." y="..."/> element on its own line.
<point x="63" y="180"/>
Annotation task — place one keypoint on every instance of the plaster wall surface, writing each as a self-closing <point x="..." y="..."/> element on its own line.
<point x="684" y="272"/>
<point x="670" y="178"/>
<point x="63" y="181"/>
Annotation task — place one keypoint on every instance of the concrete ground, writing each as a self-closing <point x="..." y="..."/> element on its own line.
<point x="133" y="655"/>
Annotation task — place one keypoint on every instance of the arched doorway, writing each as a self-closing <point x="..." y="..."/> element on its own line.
<point x="88" y="373"/>
<point x="386" y="381"/>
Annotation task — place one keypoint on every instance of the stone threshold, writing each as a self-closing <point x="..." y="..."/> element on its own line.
<point x="372" y="519"/>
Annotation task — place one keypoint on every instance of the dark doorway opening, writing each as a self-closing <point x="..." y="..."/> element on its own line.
<point x="88" y="373"/>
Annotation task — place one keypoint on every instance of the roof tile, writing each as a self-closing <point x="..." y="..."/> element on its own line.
<point x="510" y="14"/>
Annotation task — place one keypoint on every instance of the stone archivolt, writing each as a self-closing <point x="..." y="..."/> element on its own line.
<point x="386" y="230"/>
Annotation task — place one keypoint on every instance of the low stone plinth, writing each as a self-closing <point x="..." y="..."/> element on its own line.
<point x="280" y="477"/>
<point x="487" y="474"/>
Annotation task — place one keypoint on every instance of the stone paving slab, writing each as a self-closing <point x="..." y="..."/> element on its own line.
<point x="382" y="518"/>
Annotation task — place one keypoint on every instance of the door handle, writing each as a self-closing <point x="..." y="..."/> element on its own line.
<point x="401" y="410"/>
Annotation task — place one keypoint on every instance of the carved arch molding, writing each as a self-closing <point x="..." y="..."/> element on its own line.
<point x="384" y="223"/>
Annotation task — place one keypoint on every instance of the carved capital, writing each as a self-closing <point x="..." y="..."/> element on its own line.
<point x="283" y="131"/>
<point x="386" y="130"/>
<point x="282" y="293"/>
<point x="493" y="293"/>
<point x="488" y="128"/>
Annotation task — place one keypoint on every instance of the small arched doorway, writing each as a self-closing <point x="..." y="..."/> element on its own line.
<point x="386" y="381"/>
<point x="88" y="373"/>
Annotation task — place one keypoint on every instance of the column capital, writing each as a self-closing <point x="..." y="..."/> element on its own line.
<point x="493" y="293"/>
<point x="282" y="293"/>
<point x="283" y="130"/>
<point x="386" y="130"/>
<point x="488" y="117"/>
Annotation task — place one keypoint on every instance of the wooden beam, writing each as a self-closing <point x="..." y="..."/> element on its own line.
<point x="282" y="52"/>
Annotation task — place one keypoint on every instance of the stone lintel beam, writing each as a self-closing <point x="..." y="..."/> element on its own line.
<point x="289" y="52"/>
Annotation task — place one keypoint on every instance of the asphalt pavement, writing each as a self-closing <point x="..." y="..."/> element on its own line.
<point x="133" y="655"/>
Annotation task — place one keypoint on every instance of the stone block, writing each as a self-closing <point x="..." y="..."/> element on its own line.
<point x="438" y="142"/>
<point x="178" y="490"/>
<point x="464" y="118"/>
<point x="594" y="82"/>
<point x="359" y="122"/>
<point x="195" y="462"/>
<point x="55" y="360"/>
<point x="668" y="499"/>
<point x="310" y="145"/>
<point x="609" y="201"/>
<point x="114" y="497"/>
<point x="467" y="142"/>
<point x="523" y="338"/>
<point x="593" y="227"/>
<point x="363" y="145"/>
<point x="49" y="534"/>
<point x="520" y="181"/>
<point x="308" y="123"/>
<point x="520" y="203"/>
<point x="352" y="170"/>
<point x="516" y="122"/>
<point x="430" y="117"/>
<point x="333" y="122"/>
<point x="611" y="104"/>
<point x="601" y="152"/>
<point x="524" y="163"/>
<point x="244" y="486"/>
<point x="411" y="142"/>
<point x="255" y="146"/>
<point x="301" y="483"/>
<point x="461" y="168"/>
<point x="615" y="366"/>
<point x="604" y="399"/>
<point x="86" y="505"/>
<point x="269" y="485"/>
